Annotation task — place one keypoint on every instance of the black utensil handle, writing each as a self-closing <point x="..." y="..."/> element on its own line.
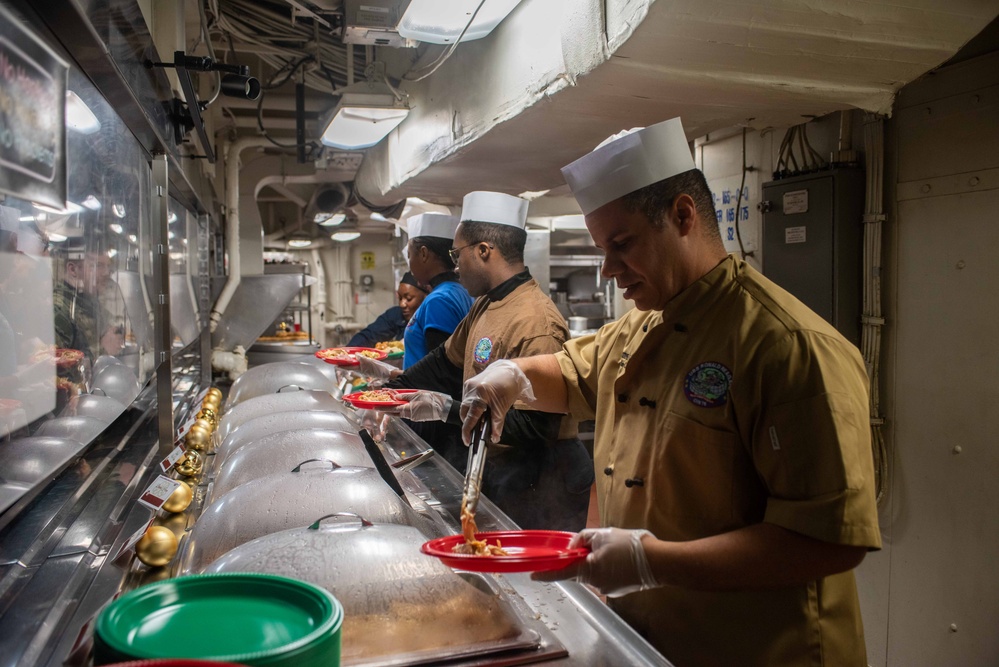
<point x="381" y="465"/>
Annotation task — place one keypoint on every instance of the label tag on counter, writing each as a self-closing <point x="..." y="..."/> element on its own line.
<point x="193" y="417"/>
<point x="172" y="457"/>
<point x="158" y="492"/>
<point x="131" y="541"/>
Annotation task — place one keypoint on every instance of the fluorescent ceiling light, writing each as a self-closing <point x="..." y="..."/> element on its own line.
<point x="71" y="207"/>
<point x="299" y="243"/>
<point x="57" y="238"/>
<point x="442" y="21"/>
<point x="91" y="202"/>
<point x="118" y="210"/>
<point x="116" y="228"/>
<point x="79" y="117"/>
<point x="378" y="217"/>
<point x="112" y="252"/>
<point x="172" y="217"/>
<point x="366" y="113"/>
<point x="327" y="220"/>
<point x="133" y="238"/>
<point x="343" y="237"/>
<point x="531" y="195"/>
<point x="26" y="218"/>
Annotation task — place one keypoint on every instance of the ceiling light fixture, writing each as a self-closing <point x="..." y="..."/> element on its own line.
<point x="92" y="202"/>
<point x="365" y="114"/>
<point x="442" y="21"/>
<point x="299" y="239"/>
<point x="79" y="117"/>
<point x="343" y="237"/>
<point x="330" y="220"/>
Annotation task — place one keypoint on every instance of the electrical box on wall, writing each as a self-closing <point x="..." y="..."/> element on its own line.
<point x="813" y="242"/>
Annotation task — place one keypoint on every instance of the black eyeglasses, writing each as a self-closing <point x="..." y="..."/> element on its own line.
<point x="454" y="253"/>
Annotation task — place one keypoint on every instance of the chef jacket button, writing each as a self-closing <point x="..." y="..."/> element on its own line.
<point x="634" y="481"/>
<point x="622" y="398"/>
<point x="645" y="327"/>
<point x="608" y="470"/>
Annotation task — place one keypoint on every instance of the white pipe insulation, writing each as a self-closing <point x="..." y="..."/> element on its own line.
<point x="232" y="166"/>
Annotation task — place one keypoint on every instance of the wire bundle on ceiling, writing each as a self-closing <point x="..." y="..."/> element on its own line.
<point x="788" y="163"/>
<point x="287" y="44"/>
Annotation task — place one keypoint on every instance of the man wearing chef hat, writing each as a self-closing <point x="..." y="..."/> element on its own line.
<point x="538" y="472"/>
<point x="732" y="441"/>
<point x="430" y="239"/>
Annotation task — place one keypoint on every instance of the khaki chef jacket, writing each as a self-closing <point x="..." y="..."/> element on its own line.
<point x="522" y="323"/>
<point x="733" y="406"/>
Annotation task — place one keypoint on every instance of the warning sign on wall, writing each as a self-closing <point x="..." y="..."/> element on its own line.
<point x="367" y="261"/>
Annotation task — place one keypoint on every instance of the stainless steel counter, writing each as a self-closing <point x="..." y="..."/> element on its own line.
<point x="592" y="634"/>
<point x="60" y="564"/>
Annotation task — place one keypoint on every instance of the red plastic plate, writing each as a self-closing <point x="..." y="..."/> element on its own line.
<point x="355" y="400"/>
<point x="529" y="551"/>
<point x="349" y="361"/>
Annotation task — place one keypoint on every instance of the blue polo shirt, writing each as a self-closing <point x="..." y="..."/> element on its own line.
<point x="442" y="309"/>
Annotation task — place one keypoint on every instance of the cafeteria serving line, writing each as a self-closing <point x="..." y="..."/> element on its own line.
<point x="204" y="204"/>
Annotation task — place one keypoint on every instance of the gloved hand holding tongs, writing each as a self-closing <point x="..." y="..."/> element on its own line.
<point x="473" y="471"/>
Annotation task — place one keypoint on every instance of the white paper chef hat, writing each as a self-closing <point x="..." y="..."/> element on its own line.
<point x="439" y="225"/>
<point x="494" y="207"/>
<point x="628" y="161"/>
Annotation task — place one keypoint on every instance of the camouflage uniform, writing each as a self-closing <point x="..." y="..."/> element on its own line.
<point x="79" y="320"/>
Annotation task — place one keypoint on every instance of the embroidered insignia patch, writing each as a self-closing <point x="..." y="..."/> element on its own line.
<point x="707" y="384"/>
<point x="483" y="350"/>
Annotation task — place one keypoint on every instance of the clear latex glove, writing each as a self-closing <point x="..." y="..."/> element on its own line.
<point x="498" y="387"/>
<point x="377" y="372"/>
<point x="376" y="422"/>
<point x="616" y="564"/>
<point x="425" y="406"/>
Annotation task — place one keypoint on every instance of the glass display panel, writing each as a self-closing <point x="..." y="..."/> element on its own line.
<point x="76" y="340"/>
<point x="183" y="235"/>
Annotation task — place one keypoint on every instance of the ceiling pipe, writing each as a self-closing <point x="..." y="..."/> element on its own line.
<point x="232" y="166"/>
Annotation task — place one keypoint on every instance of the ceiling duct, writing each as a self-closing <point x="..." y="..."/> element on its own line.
<point x="391" y="211"/>
<point x="330" y="198"/>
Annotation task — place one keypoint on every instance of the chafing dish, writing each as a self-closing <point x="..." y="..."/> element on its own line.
<point x="81" y="429"/>
<point x="306" y="400"/>
<point x="400" y="606"/>
<point x="282" y="451"/>
<point x="116" y="381"/>
<point x="27" y="462"/>
<point x="259" y="427"/>
<point x="275" y="378"/>
<point x="329" y="370"/>
<point x="293" y="500"/>
<point x="103" y="408"/>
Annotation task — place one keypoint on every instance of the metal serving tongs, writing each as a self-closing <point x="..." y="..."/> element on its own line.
<point x="476" y="464"/>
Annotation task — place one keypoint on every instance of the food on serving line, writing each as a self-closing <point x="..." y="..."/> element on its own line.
<point x="338" y="353"/>
<point x="283" y="336"/>
<point x="63" y="356"/>
<point x="472" y="546"/>
<point x="391" y="346"/>
<point x="377" y="396"/>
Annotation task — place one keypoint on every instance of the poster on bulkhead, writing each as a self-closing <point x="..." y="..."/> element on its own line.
<point x="32" y="116"/>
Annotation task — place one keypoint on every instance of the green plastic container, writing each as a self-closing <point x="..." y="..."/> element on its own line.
<point x="253" y="619"/>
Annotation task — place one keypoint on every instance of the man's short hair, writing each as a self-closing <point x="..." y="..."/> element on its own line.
<point x="438" y="247"/>
<point x="507" y="239"/>
<point x="655" y="200"/>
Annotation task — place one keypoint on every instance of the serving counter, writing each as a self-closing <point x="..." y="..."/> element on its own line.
<point x="66" y="556"/>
